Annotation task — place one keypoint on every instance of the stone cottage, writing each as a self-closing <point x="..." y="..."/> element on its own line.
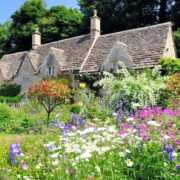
<point x="136" y="48"/>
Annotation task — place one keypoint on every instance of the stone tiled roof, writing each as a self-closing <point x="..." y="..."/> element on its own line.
<point x="145" y="46"/>
<point x="10" y="64"/>
<point x="75" y="50"/>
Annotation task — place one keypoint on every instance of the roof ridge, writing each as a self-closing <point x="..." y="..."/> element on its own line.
<point x="83" y="35"/>
<point x="89" y="52"/>
<point x="14" y="53"/>
<point x="138" y="29"/>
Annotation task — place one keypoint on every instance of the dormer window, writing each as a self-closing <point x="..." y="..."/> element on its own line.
<point x="51" y="70"/>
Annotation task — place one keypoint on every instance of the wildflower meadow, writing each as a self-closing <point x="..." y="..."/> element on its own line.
<point x="123" y="137"/>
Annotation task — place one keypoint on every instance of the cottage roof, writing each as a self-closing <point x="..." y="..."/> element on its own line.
<point x="145" y="46"/>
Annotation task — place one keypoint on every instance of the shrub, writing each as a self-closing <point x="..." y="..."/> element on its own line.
<point x="15" y="99"/>
<point x="138" y="88"/>
<point x="10" y="90"/>
<point x="49" y="94"/>
<point x="6" y="117"/>
<point x="76" y="109"/>
<point x="170" y="66"/>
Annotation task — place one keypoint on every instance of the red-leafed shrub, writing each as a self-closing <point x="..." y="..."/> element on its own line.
<point x="49" y="94"/>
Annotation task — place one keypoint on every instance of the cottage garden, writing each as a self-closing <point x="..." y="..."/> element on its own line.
<point x="127" y="127"/>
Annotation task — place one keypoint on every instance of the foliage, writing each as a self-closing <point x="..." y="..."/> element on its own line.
<point x="55" y="23"/>
<point x="15" y="99"/>
<point x="10" y="90"/>
<point x="137" y="148"/>
<point x="138" y="88"/>
<point x="128" y="14"/>
<point x="49" y="94"/>
<point x="170" y="66"/>
<point x="177" y="42"/>
<point x="4" y="35"/>
<point x="76" y="109"/>
<point x="173" y="89"/>
<point x="95" y="111"/>
<point x="60" y="23"/>
<point x="6" y="117"/>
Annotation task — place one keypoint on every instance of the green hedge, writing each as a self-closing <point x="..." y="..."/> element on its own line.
<point x="170" y="66"/>
<point x="10" y="90"/>
<point x="16" y="99"/>
<point x="177" y="42"/>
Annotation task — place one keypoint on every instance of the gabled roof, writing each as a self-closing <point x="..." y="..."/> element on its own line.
<point x="145" y="46"/>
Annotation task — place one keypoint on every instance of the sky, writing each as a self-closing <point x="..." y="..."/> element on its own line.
<point x="8" y="7"/>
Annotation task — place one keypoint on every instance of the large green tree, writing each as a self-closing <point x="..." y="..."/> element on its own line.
<point x="119" y="15"/>
<point x="4" y="37"/>
<point x="59" y="23"/>
<point x="55" y="23"/>
<point x="24" y="21"/>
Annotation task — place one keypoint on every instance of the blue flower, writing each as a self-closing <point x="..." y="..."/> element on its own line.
<point x="178" y="167"/>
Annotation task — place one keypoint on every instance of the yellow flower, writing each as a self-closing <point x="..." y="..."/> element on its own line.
<point x="82" y="85"/>
<point x="80" y="103"/>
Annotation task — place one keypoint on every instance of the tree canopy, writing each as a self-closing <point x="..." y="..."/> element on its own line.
<point x="59" y="22"/>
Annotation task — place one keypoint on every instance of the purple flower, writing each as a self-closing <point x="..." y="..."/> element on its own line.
<point x="15" y="150"/>
<point x="24" y="165"/>
<point x="178" y="167"/>
<point x="54" y="124"/>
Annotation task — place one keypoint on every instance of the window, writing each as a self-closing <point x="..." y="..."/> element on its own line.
<point x="51" y="71"/>
<point x="115" y="67"/>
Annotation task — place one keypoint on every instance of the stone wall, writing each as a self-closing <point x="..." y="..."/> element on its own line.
<point x="26" y="76"/>
<point x="170" y="46"/>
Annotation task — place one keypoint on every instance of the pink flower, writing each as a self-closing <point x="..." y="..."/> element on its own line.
<point x="125" y="125"/>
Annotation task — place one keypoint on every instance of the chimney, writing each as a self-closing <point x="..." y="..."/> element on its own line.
<point x="95" y="25"/>
<point x="36" y="39"/>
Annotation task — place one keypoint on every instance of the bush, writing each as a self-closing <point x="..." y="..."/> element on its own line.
<point x="170" y="66"/>
<point x="16" y="99"/>
<point x="76" y="109"/>
<point x="140" y="88"/>
<point x="6" y="117"/>
<point x="10" y="90"/>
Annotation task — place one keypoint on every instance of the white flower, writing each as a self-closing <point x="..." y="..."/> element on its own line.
<point x="55" y="162"/>
<point x="174" y="154"/>
<point x="98" y="169"/>
<point x="122" y="154"/>
<point x="130" y="119"/>
<point x="58" y="114"/>
<point x="166" y="137"/>
<point x="26" y="177"/>
<point x="55" y="155"/>
<point x="127" y="150"/>
<point x="114" y="114"/>
<point x="153" y="123"/>
<point x="129" y="163"/>
<point x="38" y="166"/>
<point x="135" y="105"/>
<point x="85" y="155"/>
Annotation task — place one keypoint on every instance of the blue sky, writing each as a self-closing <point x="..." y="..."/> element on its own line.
<point x="8" y="7"/>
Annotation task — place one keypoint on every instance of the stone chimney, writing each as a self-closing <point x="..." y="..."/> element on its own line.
<point x="95" y="25"/>
<point x="36" y="39"/>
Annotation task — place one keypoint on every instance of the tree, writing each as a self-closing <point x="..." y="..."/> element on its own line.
<point x="4" y="36"/>
<point x="120" y="15"/>
<point x="49" y="94"/>
<point x="24" y="21"/>
<point x="59" y="23"/>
